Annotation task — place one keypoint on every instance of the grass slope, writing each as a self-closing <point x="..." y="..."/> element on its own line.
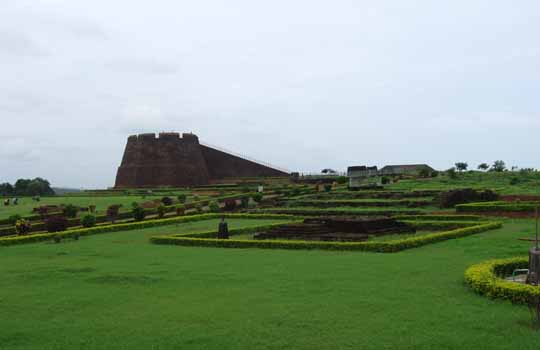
<point x="118" y="291"/>
<point x="504" y="183"/>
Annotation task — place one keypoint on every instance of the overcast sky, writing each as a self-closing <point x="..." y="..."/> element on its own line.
<point x="301" y="84"/>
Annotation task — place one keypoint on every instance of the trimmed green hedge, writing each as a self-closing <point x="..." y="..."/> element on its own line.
<point x="332" y="203"/>
<point x="497" y="207"/>
<point x="485" y="279"/>
<point x="430" y="217"/>
<point x="336" y="211"/>
<point x="131" y="226"/>
<point x="439" y="225"/>
<point x="375" y="246"/>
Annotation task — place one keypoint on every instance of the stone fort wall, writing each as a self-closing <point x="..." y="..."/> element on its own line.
<point x="171" y="159"/>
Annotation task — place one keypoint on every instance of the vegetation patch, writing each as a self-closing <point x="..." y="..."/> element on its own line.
<point x="497" y="206"/>
<point x="486" y="278"/>
<point x="130" y="226"/>
<point x="124" y="280"/>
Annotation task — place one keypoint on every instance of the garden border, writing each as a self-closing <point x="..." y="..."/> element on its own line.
<point x="133" y="226"/>
<point x="484" y="278"/>
<point x="381" y="246"/>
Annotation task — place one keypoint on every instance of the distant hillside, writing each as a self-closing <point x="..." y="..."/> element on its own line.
<point x="64" y="190"/>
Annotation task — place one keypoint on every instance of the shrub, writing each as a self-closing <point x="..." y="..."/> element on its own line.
<point x="166" y="201"/>
<point x="180" y="209"/>
<point x="214" y="207"/>
<point x="230" y="204"/>
<point x="181" y="198"/>
<point x="56" y="223"/>
<point x="327" y="188"/>
<point x="434" y="173"/>
<point x="138" y="213"/>
<point x="452" y="198"/>
<point x="342" y="180"/>
<point x="257" y="197"/>
<point x="57" y="239"/>
<point x="70" y="211"/>
<point x="514" y="181"/>
<point x="112" y="211"/>
<point x="198" y="208"/>
<point x="14" y="218"/>
<point x="88" y="220"/>
<point x="385" y="180"/>
<point x="485" y="279"/>
<point x="245" y="201"/>
<point x="22" y="227"/>
<point x="161" y="210"/>
<point x="452" y="173"/>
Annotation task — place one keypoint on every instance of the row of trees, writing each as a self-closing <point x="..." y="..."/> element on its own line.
<point x="27" y="187"/>
<point x="497" y="166"/>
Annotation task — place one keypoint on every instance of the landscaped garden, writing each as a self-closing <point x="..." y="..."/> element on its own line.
<point x="158" y="276"/>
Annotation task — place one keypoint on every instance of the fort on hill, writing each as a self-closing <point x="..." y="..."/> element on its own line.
<point x="173" y="160"/>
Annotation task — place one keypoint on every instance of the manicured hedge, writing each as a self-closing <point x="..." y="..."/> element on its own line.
<point x="439" y="225"/>
<point x="374" y="246"/>
<point x="337" y="211"/>
<point x="332" y="203"/>
<point x="131" y="226"/>
<point x="497" y="207"/>
<point x="485" y="279"/>
<point x="429" y="217"/>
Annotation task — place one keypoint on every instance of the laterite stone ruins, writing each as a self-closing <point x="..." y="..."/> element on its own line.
<point x="173" y="160"/>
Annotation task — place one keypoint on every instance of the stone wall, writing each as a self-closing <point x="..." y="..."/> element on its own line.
<point x="173" y="160"/>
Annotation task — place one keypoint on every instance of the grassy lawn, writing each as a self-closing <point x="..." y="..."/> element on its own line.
<point x="117" y="291"/>
<point x="26" y="204"/>
<point x="504" y="183"/>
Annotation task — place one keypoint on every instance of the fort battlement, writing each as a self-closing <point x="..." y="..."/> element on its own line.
<point x="171" y="159"/>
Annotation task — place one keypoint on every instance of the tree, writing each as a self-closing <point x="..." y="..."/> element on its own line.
<point x="451" y="173"/>
<point x="138" y="213"/>
<point x="35" y="187"/>
<point x="461" y="166"/>
<point x="181" y="198"/>
<point x="88" y="220"/>
<point x="6" y="189"/>
<point x="328" y="171"/>
<point x="498" y="166"/>
<point x="483" y="166"/>
<point x="70" y="211"/>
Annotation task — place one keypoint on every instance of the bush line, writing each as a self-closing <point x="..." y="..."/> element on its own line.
<point x="484" y="278"/>
<point x="132" y="226"/>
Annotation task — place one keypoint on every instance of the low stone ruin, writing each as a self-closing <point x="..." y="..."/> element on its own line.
<point x="337" y="229"/>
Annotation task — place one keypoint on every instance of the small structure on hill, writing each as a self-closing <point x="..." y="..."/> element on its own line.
<point x="358" y="174"/>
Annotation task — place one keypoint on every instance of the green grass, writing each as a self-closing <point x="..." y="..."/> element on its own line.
<point x="349" y="210"/>
<point x="117" y="291"/>
<point x="527" y="183"/>
<point x="26" y="204"/>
